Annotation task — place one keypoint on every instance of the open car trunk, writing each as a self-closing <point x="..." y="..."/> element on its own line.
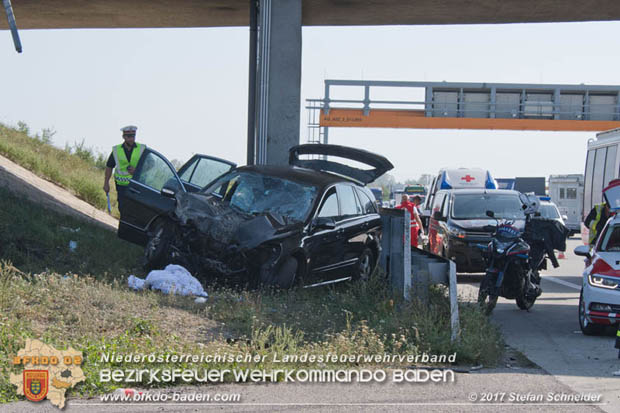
<point x="379" y="164"/>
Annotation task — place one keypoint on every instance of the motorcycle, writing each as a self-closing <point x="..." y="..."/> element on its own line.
<point x="514" y="259"/>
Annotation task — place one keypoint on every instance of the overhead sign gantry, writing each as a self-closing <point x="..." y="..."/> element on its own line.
<point x="509" y="106"/>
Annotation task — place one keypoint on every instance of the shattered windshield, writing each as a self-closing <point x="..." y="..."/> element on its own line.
<point x="254" y="193"/>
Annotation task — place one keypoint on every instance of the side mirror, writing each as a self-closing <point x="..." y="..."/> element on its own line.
<point x="564" y="218"/>
<point x="324" y="223"/>
<point x="170" y="188"/>
<point x="583" y="251"/>
<point x="167" y="192"/>
<point x="437" y="216"/>
<point x="490" y="214"/>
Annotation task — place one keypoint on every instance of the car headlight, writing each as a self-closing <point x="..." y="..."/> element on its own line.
<point x="457" y="232"/>
<point x="601" y="281"/>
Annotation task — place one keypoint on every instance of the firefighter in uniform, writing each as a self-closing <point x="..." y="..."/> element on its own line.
<point x="124" y="159"/>
<point x="415" y="222"/>
<point x="596" y="220"/>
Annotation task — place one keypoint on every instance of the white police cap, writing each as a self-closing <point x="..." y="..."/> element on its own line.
<point x="129" y="128"/>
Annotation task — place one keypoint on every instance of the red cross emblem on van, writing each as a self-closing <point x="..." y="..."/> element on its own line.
<point x="467" y="178"/>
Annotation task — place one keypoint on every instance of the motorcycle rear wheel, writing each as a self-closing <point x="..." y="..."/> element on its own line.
<point x="486" y="300"/>
<point x="524" y="303"/>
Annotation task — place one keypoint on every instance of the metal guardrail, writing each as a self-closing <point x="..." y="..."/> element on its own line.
<point x="412" y="270"/>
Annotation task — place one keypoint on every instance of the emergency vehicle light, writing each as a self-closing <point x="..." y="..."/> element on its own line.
<point x="490" y="182"/>
<point x="444" y="182"/>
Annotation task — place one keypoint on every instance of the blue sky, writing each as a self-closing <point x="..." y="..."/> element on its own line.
<point x="186" y="89"/>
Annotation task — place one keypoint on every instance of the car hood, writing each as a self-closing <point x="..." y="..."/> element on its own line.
<point x="227" y="227"/>
<point x="480" y="224"/>
<point x="379" y="164"/>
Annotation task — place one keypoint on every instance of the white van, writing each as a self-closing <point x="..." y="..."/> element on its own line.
<point x="602" y="165"/>
<point x="566" y="191"/>
<point x="461" y="178"/>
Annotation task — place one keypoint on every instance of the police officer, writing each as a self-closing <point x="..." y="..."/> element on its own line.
<point x="124" y="159"/>
<point x="596" y="220"/>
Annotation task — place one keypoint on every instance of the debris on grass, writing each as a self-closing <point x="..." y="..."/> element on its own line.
<point x="174" y="279"/>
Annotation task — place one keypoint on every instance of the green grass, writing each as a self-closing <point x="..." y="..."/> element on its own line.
<point x="36" y="240"/>
<point x="80" y="299"/>
<point x="97" y="317"/>
<point x="75" y="169"/>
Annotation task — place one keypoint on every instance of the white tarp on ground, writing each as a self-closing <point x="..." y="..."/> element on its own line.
<point x="173" y="279"/>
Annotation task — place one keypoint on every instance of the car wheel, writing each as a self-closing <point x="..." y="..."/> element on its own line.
<point x="587" y="328"/>
<point x="287" y="273"/>
<point x="156" y="251"/>
<point x="365" y="265"/>
<point x="284" y="276"/>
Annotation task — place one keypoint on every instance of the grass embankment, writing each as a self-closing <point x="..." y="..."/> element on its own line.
<point x="37" y="240"/>
<point x="79" y="298"/>
<point x="42" y="296"/>
<point x="74" y="168"/>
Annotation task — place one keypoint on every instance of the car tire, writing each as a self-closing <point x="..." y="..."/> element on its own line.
<point x="157" y="249"/>
<point x="365" y="265"/>
<point x="287" y="273"/>
<point x="587" y="328"/>
<point x="284" y="277"/>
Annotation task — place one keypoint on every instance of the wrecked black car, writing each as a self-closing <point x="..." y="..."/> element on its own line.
<point x="310" y="222"/>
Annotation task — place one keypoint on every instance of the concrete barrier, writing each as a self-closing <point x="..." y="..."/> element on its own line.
<point x="412" y="270"/>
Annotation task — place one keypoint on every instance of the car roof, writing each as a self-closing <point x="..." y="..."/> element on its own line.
<point x="294" y="173"/>
<point x="477" y="191"/>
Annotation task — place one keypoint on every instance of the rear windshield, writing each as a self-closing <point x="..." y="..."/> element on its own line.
<point x="474" y="206"/>
<point x="611" y="239"/>
<point x="549" y="211"/>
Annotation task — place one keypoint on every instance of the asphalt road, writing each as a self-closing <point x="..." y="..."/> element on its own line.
<point x="570" y="364"/>
<point x="549" y="333"/>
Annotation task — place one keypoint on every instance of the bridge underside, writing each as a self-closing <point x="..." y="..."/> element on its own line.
<point x="58" y="14"/>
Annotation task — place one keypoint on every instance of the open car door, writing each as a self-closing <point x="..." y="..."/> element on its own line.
<point x="144" y="201"/>
<point x="201" y="170"/>
<point x="379" y="164"/>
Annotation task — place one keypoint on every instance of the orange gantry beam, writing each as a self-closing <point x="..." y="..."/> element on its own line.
<point x="416" y="119"/>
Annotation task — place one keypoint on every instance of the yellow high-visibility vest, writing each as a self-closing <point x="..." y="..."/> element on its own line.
<point x="121" y="174"/>
<point x="593" y="225"/>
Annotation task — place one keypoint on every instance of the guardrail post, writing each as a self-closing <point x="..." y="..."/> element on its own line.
<point x="412" y="269"/>
<point x="454" y="304"/>
<point x="395" y="249"/>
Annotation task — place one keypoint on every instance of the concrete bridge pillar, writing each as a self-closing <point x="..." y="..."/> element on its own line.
<point x="279" y="80"/>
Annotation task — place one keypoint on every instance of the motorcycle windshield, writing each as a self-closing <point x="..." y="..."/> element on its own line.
<point x="501" y="245"/>
<point x="507" y="231"/>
